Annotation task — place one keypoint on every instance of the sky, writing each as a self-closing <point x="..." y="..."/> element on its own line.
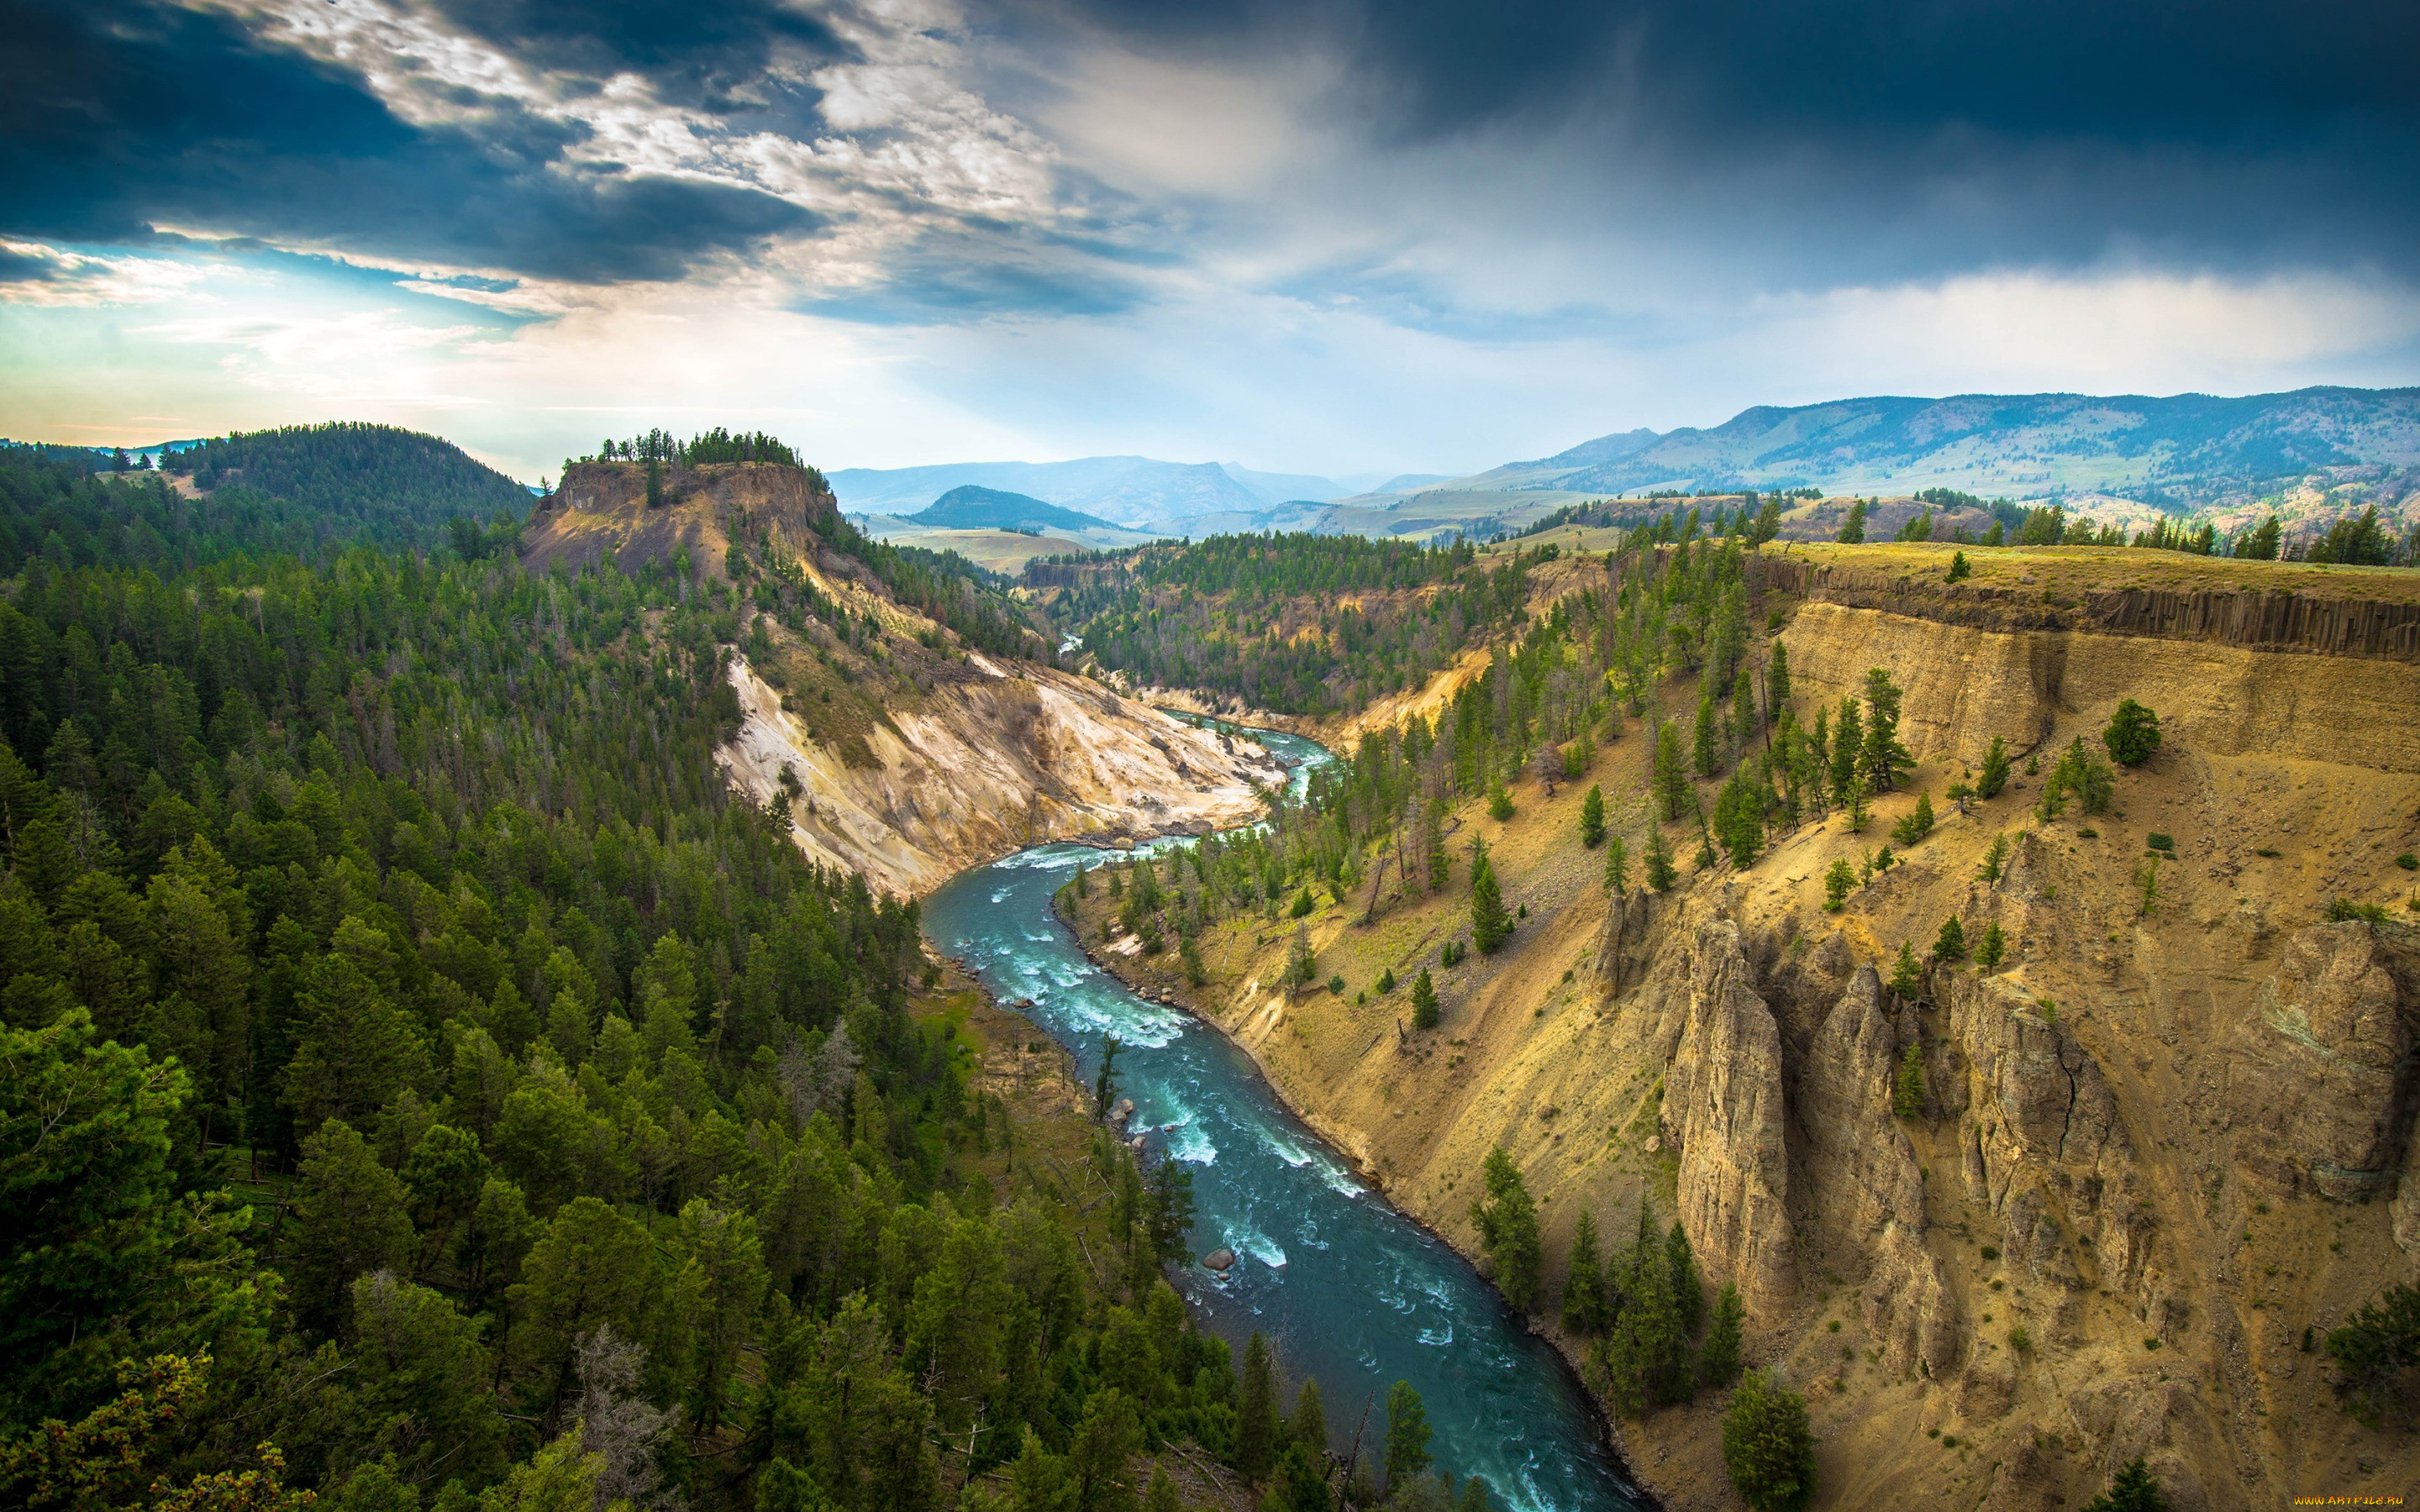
<point x="1309" y="236"/>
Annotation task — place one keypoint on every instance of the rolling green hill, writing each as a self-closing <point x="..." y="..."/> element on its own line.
<point x="972" y="507"/>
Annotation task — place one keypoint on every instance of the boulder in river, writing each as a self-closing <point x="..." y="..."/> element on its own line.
<point x="1218" y="1259"/>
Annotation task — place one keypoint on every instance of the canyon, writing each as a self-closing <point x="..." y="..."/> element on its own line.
<point x="2160" y="1149"/>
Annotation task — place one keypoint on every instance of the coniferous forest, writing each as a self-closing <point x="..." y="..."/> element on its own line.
<point x="427" y="1085"/>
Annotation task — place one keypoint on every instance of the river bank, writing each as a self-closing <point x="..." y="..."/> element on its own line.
<point x="1151" y="980"/>
<point x="1351" y="1289"/>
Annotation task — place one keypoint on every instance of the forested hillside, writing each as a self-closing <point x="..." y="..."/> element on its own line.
<point x="1299" y="625"/>
<point x="427" y="1084"/>
<point x="389" y="483"/>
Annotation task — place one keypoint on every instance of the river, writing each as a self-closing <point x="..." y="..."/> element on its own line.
<point x="1349" y="1290"/>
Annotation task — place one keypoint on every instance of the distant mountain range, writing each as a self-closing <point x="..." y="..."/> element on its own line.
<point x="2309" y="454"/>
<point x="1137" y="493"/>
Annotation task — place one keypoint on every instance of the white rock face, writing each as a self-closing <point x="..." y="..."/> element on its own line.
<point x="1020" y="756"/>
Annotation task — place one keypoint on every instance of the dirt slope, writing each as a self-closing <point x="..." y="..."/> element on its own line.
<point x="2159" y="1143"/>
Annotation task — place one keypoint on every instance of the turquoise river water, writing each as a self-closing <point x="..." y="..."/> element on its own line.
<point x="1349" y="1290"/>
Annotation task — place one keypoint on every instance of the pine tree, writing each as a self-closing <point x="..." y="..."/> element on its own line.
<point x="1434" y="855"/>
<point x="2133" y="735"/>
<point x="1661" y="874"/>
<point x="1718" y="1361"/>
<point x="1907" y="974"/>
<point x="1162" y="1496"/>
<point x="1307" y="1426"/>
<point x="1592" y="817"/>
<point x="1739" y="818"/>
<point x="1256" y="1413"/>
<point x="1508" y="1230"/>
<point x="1848" y="740"/>
<point x="1743" y="719"/>
<point x="1644" y="1359"/>
<point x="1490" y="926"/>
<point x="1407" y="1435"/>
<point x="1584" y="1283"/>
<point x="1681" y="1264"/>
<point x="1994" y="947"/>
<point x="1424" y="1001"/>
<point x="1302" y="964"/>
<point x="1768" y="1448"/>
<point x="1995" y="777"/>
<point x="1996" y="857"/>
<point x="2133" y="1490"/>
<point x="1907" y="1086"/>
<point x="1836" y="883"/>
<point x="1881" y="758"/>
<point x="1777" y="683"/>
<point x="1853" y="527"/>
<point x="351" y="1216"/>
<point x="1710" y="735"/>
<point x="1960" y="568"/>
<point x="1671" y="771"/>
<point x="1617" y="866"/>
<point x="1950" y="944"/>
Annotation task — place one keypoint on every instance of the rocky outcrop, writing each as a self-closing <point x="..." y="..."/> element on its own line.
<point x="2317" y="1072"/>
<point x="599" y="513"/>
<point x="1724" y="1109"/>
<point x="1621" y="944"/>
<point x="2040" y="1141"/>
<point x="1865" y="1184"/>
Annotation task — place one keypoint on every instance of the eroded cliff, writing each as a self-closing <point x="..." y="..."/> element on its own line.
<point x="2158" y="1151"/>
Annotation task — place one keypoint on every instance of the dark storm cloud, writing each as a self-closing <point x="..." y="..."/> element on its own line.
<point x="713" y="55"/>
<point x="120" y="116"/>
<point x="2220" y="132"/>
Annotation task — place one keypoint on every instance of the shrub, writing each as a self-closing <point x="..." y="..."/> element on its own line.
<point x="2343" y="910"/>
<point x="2132" y="734"/>
<point x="2267" y="851"/>
<point x="2160" y="843"/>
<point x="1336" y="984"/>
<point x="2375" y="1345"/>
<point x="1500" y="804"/>
<point x="2407" y="861"/>
<point x="1768" y="1448"/>
<point x="2019" y="1340"/>
<point x="1302" y="905"/>
<point x="1385" y="982"/>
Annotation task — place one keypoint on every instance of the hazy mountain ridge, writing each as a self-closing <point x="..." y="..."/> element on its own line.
<point x="2188" y="450"/>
